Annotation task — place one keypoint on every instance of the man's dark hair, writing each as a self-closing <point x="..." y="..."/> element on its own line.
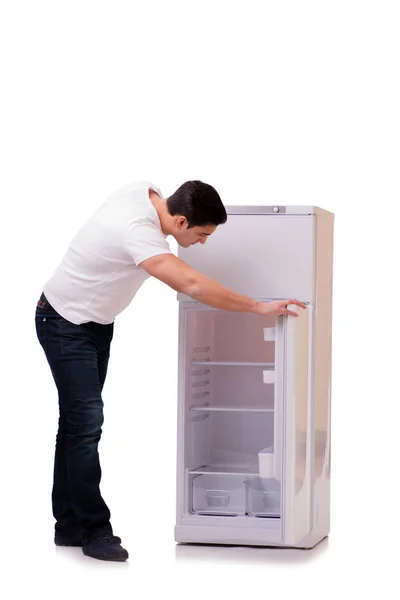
<point x="199" y="202"/>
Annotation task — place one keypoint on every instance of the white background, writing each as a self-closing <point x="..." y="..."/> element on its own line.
<point x="271" y="102"/>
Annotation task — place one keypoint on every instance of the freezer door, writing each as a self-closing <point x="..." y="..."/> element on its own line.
<point x="297" y="422"/>
<point x="261" y="256"/>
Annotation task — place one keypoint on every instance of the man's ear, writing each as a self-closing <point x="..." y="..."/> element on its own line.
<point x="181" y="222"/>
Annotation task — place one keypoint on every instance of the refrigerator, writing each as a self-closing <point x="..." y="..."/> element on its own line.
<point x="254" y="392"/>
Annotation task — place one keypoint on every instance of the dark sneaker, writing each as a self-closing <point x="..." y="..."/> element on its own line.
<point x="105" y="547"/>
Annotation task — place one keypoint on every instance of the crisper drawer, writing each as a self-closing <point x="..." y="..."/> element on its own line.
<point x="218" y="495"/>
<point x="235" y="495"/>
<point x="264" y="497"/>
<point x="261" y="256"/>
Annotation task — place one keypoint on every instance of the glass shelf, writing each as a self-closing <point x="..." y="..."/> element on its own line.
<point x="217" y="363"/>
<point x="230" y="409"/>
<point x="220" y="470"/>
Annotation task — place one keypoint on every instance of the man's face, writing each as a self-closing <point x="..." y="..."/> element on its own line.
<point x="195" y="235"/>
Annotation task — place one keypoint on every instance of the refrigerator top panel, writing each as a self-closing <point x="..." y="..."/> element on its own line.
<point x="274" y="209"/>
<point x="263" y="256"/>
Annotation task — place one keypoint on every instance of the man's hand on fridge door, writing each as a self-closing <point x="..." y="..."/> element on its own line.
<point x="278" y="307"/>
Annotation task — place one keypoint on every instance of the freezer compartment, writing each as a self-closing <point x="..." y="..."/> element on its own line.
<point x="264" y="497"/>
<point x="275" y="257"/>
<point x="218" y="495"/>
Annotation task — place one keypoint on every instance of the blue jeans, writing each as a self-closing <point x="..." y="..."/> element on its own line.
<point x="78" y="358"/>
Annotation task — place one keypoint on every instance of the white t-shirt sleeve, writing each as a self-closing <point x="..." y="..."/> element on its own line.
<point x="144" y="240"/>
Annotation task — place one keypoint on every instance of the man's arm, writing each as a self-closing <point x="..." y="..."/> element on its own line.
<point x="183" y="278"/>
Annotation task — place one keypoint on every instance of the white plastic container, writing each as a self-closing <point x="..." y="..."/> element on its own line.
<point x="266" y="462"/>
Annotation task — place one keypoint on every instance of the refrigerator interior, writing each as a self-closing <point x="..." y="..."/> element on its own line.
<point x="230" y="413"/>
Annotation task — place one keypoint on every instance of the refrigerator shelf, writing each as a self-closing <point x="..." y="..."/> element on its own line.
<point x="218" y="470"/>
<point x="202" y="408"/>
<point x="233" y="364"/>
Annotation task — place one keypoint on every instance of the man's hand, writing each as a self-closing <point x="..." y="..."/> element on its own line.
<point x="278" y="307"/>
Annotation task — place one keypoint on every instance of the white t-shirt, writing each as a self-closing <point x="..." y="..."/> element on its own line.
<point x="100" y="273"/>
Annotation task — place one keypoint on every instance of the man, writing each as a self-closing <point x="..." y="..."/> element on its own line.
<point x="119" y="247"/>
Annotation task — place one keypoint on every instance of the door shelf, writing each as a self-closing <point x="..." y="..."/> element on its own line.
<point x="202" y="408"/>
